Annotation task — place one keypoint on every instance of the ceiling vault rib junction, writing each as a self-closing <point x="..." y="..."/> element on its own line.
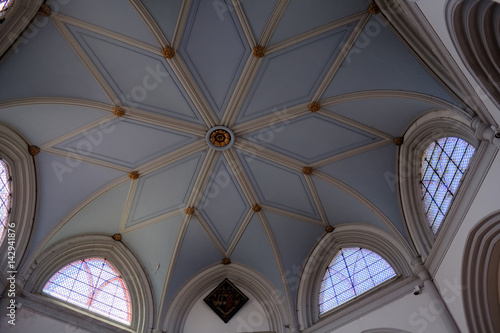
<point x="150" y="22"/>
<point x="363" y="19"/>
<point x="316" y="199"/>
<point x="86" y="60"/>
<point x="271" y="24"/>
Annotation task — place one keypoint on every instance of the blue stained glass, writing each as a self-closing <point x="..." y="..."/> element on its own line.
<point x="92" y="284"/>
<point x="5" y="195"/>
<point x="443" y="164"/>
<point x="352" y="272"/>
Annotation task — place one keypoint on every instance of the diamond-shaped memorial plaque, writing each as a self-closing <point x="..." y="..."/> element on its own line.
<point x="226" y="300"/>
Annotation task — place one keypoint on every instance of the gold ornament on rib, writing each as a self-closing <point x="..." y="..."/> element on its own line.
<point x="374" y="9"/>
<point x="44" y="11"/>
<point x="307" y="170"/>
<point x="133" y="175"/>
<point x="168" y="52"/>
<point x="329" y="228"/>
<point x="33" y="150"/>
<point x="117" y="237"/>
<point x="220" y="138"/>
<point x="226" y="261"/>
<point x="259" y="51"/>
<point x="190" y="211"/>
<point x="118" y="111"/>
<point x="314" y="107"/>
<point x="256" y="208"/>
<point x="398" y="141"/>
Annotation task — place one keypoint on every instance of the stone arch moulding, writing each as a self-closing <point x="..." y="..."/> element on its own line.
<point x="473" y="27"/>
<point x="33" y="277"/>
<point x="423" y="131"/>
<point x="22" y="169"/>
<point x="398" y="254"/>
<point x="481" y="276"/>
<point x="385" y="330"/>
<point x="241" y="276"/>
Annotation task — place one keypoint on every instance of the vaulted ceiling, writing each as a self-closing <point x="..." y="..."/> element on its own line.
<point x="305" y="169"/>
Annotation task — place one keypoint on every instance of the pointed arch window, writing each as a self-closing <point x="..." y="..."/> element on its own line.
<point x="352" y="272"/>
<point x="5" y="195"/>
<point x="443" y="164"/>
<point x="95" y="285"/>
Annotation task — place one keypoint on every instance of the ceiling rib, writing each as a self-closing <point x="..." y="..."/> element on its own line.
<point x="108" y="33"/>
<point x="271" y="24"/>
<point x="56" y="100"/>
<point x="241" y="177"/>
<point x="292" y="215"/>
<point x="150" y="22"/>
<point x="128" y="205"/>
<point x="88" y="159"/>
<point x="77" y="131"/>
<point x="244" y="22"/>
<point x="240" y="91"/>
<point x="86" y="61"/>
<point x="203" y="178"/>
<point x="370" y="205"/>
<point x="358" y="125"/>
<point x="351" y="153"/>
<point x="316" y="199"/>
<point x="181" y="23"/>
<point x="239" y="233"/>
<point x="211" y="234"/>
<point x="159" y="218"/>
<point x="363" y="19"/>
<point x="272" y="119"/>
<point x="269" y="154"/>
<point x="337" y="24"/>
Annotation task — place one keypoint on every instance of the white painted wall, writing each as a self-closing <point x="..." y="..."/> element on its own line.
<point x="448" y="277"/>
<point x="410" y="313"/>
<point x="250" y="318"/>
<point x="28" y="321"/>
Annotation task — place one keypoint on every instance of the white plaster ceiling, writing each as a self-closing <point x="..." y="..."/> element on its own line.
<point x="59" y="86"/>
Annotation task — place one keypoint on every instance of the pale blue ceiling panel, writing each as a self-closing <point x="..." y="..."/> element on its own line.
<point x="379" y="61"/>
<point x="215" y="50"/>
<point x="197" y="252"/>
<point x="285" y="79"/>
<point x="114" y="15"/>
<point x="139" y="78"/>
<point x="126" y="142"/>
<point x="374" y="112"/>
<point x="154" y="245"/>
<point x="342" y="208"/>
<point x="254" y="250"/>
<point x="295" y="240"/>
<point x="102" y="216"/>
<point x="64" y="183"/>
<point x="311" y="138"/>
<point x="373" y="174"/>
<point x="56" y="71"/>
<point x="165" y="189"/>
<point x="41" y="123"/>
<point x="257" y="13"/>
<point x="279" y="186"/>
<point x="302" y="16"/>
<point x="165" y="14"/>
<point x="223" y="204"/>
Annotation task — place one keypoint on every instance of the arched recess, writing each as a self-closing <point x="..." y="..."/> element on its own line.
<point x="22" y="169"/>
<point x="396" y="253"/>
<point x="265" y="294"/>
<point x="426" y="129"/>
<point x="481" y="275"/>
<point x="47" y="263"/>
<point x="474" y="27"/>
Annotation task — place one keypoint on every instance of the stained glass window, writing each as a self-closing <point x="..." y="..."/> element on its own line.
<point x="443" y="165"/>
<point x="5" y="195"/>
<point x="4" y="8"/>
<point x="92" y="284"/>
<point x="352" y="272"/>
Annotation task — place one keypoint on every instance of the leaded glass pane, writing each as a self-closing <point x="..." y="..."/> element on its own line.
<point x="443" y="165"/>
<point x="5" y="195"/>
<point x="92" y="284"/>
<point x="352" y="272"/>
